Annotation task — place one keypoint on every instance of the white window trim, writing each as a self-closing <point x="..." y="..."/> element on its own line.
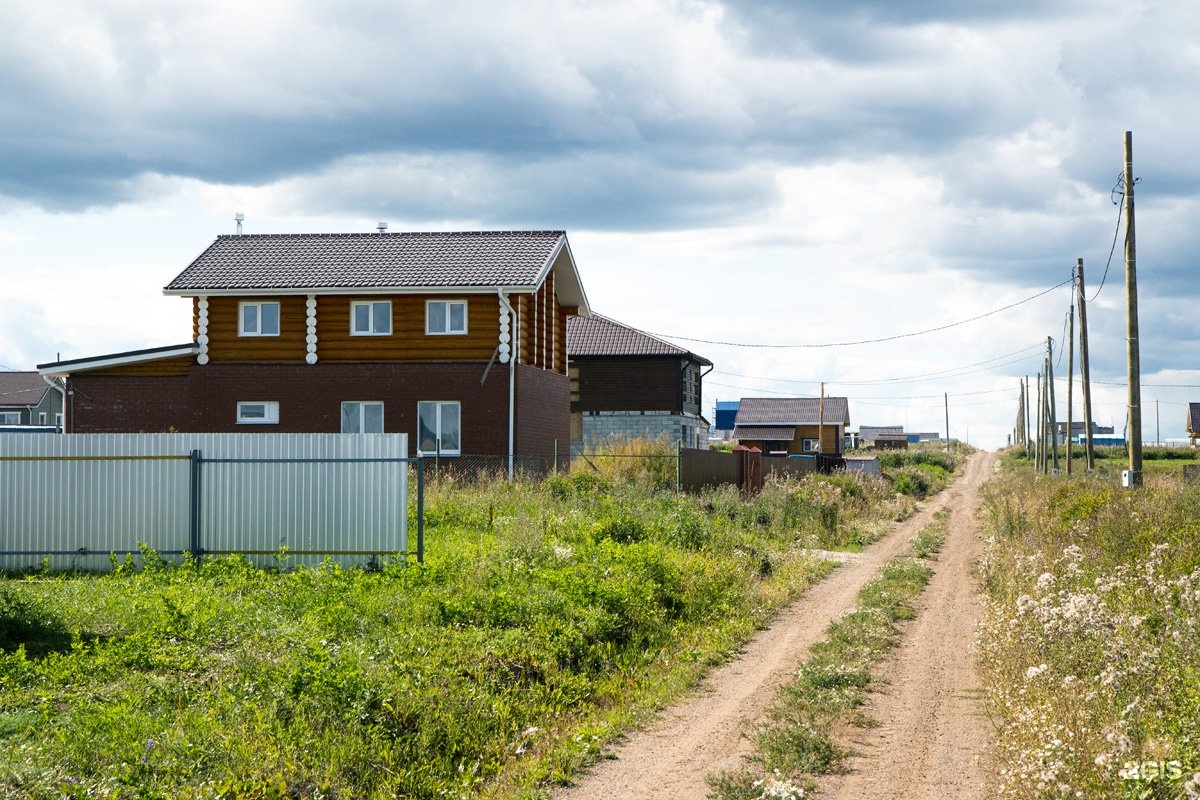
<point x="270" y="412"/>
<point x="436" y="450"/>
<point x="804" y="445"/>
<point x="448" y="331"/>
<point x="10" y="417"/>
<point x="362" y="404"/>
<point x="259" y="304"/>
<point x="370" y="304"/>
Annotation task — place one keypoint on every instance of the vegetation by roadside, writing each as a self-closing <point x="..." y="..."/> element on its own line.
<point x="799" y="740"/>
<point x="1090" y="648"/>
<point x="547" y="618"/>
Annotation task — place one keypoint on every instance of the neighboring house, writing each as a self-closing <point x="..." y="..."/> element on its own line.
<point x="867" y="433"/>
<point x="629" y="384"/>
<point x="793" y="425"/>
<point x="892" y="441"/>
<point x="364" y="332"/>
<point x="725" y="415"/>
<point x="1193" y="422"/>
<point x="27" y="399"/>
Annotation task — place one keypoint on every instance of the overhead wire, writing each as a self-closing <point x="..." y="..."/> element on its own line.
<point x="867" y="341"/>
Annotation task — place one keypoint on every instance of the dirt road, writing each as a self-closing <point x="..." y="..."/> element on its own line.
<point x="704" y="734"/>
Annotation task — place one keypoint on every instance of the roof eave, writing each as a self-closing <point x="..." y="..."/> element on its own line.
<point x="63" y="368"/>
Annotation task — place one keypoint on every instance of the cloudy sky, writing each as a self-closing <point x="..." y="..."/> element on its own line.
<point x="747" y="179"/>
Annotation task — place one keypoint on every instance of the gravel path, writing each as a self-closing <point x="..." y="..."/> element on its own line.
<point x="704" y="734"/>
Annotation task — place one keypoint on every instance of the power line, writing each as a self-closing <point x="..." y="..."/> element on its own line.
<point x="1117" y="195"/>
<point x="868" y="341"/>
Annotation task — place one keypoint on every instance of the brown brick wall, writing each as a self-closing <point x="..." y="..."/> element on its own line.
<point x="310" y="396"/>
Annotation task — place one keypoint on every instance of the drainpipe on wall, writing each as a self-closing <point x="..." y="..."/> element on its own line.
<point x="511" y="313"/>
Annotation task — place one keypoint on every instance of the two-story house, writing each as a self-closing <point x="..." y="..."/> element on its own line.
<point x="629" y="384"/>
<point x="458" y="339"/>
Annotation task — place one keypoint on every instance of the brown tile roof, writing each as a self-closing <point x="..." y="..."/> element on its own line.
<point x="22" y="388"/>
<point x="791" y="411"/>
<point x="764" y="434"/>
<point x="597" y="335"/>
<point x="1194" y="418"/>
<point x="370" y="260"/>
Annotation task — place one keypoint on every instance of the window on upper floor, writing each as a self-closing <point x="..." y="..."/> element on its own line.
<point x="439" y="428"/>
<point x="371" y="318"/>
<point x="445" y="317"/>
<point x="362" y="417"/>
<point x="258" y="319"/>
<point x="10" y="417"/>
<point x="258" y="412"/>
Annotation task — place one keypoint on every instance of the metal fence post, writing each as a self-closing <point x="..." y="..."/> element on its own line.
<point x="194" y="488"/>
<point x="420" y="510"/>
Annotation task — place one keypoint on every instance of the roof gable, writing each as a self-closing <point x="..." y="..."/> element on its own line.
<point x="777" y="411"/>
<point x="22" y="389"/>
<point x="597" y="335"/>
<point x="476" y="260"/>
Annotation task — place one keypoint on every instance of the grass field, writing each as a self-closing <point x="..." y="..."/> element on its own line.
<point x="1091" y="646"/>
<point x="547" y="617"/>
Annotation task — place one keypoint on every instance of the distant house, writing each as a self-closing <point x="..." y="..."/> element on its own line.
<point x="1193" y="422"/>
<point x="26" y="399"/>
<point x="1079" y="431"/>
<point x="629" y="384"/>
<point x="726" y="416"/>
<point x="892" y="441"/>
<point x="867" y="433"/>
<point x="793" y="425"/>
<point x="458" y="339"/>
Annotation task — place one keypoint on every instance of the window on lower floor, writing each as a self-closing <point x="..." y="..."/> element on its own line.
<point x="10" y="417"/>
<point x="362" y="417"/>
<point x="41" y="418"/>
<point x="439" y="428"/>
<point x="258" y="412"/>
<point x="811" y="446"/>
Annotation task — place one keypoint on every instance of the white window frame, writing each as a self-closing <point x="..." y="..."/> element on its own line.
<point x="438" y="449"/>
<point x="810" y="445"/>
<point x="372" y="317"/>
<point x="270" y="412"/>
<point x="447" y="304"/>
<point x="362" y="416"/>
<point x="242" y="328"/>
<point x="10" y="417"/>
<point x="41" y="418"/>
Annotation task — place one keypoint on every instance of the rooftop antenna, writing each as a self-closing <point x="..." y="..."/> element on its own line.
<point x="238" y="217"/>
<point x="381" y="227"/>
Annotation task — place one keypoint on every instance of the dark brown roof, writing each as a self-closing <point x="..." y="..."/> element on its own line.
<point x="791" y="411"/>
<point x="764" y="434"/>
<point x="1194" y="418"/>
<point x="598" y="335"/>
<point x="22" y="388"/>
<point x="371" y="260"/>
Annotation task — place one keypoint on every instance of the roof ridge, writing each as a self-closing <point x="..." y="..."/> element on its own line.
<point x="389" y="234"/>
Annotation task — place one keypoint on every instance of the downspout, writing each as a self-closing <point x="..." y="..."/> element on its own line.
<point x="512" y="372"/>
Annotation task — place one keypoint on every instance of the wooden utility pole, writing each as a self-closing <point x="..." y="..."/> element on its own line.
<point x="1019" y="432"/>
<point x="1027" y="407"/>
<point x="1039" y="448"/>
<point x="1131" y="325"/>
<point x="1053" y="413"/>
<point x="946" y="398"/>
<point x="821" y="426"/>
<point x="1070" y="383"/>
<point x="1085" y="374"/>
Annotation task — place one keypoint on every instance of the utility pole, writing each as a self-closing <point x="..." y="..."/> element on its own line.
<point x="1019" y="432"/>
<point x="1027" y="407"/>
<point x="1133" y="358"/>
<point x="1053" y="413"/>
<point x="1039" y="447"/>
<point x="1157" y="426"/>
<point x="946" y="398"/>
<point x="1084" y="373"/>
<point x="1070" y="383"/>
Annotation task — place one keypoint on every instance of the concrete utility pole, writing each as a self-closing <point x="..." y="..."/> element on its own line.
<point x="1039" y="446"/>
<point x="1019" y="432"/>
<point x="1084" y="373"/>
<point x="1131" y="325"/>
<point x="1027" y="407"/>
<point x="1070" y="384"/>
